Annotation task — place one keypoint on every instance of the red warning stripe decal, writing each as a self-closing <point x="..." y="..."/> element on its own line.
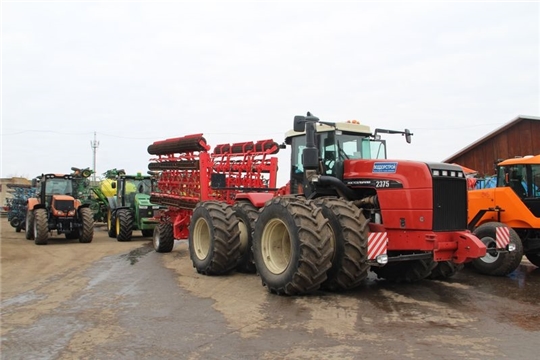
<point x="502" y="237"/>
<point x="377" y="244"/>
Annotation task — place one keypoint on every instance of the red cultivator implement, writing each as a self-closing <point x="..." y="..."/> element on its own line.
<point x="189" y="173"/>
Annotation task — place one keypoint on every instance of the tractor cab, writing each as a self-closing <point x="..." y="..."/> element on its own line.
<point x="522" y="175"/>
<point x="325" y="151"/>
<point x="132" y="187"/>
<point x="54" y="187"/>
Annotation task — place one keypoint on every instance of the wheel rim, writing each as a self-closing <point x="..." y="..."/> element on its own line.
<point x="491" y="253"/>
<point x="201" y="239"/>
<point x="109" y="221"/>
<point x="156" y="239"/>
<point x="276" y="246"/>
<point x="35" y="228"/>
<point x="117" y="225"/>
<point x="243" y="236"/>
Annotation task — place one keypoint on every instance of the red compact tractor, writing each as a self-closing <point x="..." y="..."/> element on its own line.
<point x="346" y="210"/>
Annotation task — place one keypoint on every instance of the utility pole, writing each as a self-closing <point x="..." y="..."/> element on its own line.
<point x="94" y="145"/>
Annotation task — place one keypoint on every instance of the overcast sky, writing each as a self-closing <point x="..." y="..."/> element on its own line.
<point x="137" y="72"/>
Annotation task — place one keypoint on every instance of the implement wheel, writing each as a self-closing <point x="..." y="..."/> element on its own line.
<point x="246" y="213"/>
<point x="41" y="227"/>
<point x="163" y="238"/>
<point x="292" y="246"/>
<point x="497" y="263"/>
<point x="350" y="233"/>
<point x="214" y="238"/>
<point x="15" y="222"/>
<point x="86" y="231"/>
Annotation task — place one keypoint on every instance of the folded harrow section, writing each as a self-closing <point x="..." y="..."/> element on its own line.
<point x="189" y="173"/>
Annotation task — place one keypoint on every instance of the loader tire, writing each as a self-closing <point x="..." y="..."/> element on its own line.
<point x="246" y="213"/>
<point x="214" y="238"/>
<point x="124" y="225"/>
<point x="406" y="271"/>
<point x="86" y="231"/>
<point x="111" y="224"/>
<point x="494" y="263"/>
<point x="29" y="225"/>
<point x="349" y="229"/>
<point x="41" y="227"/>
<point x="445" y="270"/>
<point x="292" y="246"/>
<point x="534" y="259"/>
<point x="163" y="238"/>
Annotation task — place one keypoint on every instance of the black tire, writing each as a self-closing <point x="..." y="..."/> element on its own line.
<point x="350" y="232"/>
<point x="246" y="213"/>
<point x="406" y="271"/>
<point x="493" y="263"/>
<point x="29" y="225"/>
<point x="111" y="224"/>
<point x="124" y="225"/>
<point x="15" y="222"/>
<point x="41" y="227"/>
<point x="86" y="231"/>
<point x="19" y="228"/>
<point x="163" y="238"/>
<point x="292" y="246"/>
<point x="214" y="238"/>
<point x="147" y="232"/>
<point x="445" y="270"/>
<point x="534" y="259"/>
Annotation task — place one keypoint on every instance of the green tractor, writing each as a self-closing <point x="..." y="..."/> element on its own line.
<point x="130" y="209"/>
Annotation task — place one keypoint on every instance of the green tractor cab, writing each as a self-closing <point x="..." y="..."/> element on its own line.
<point x="130" y="209"/>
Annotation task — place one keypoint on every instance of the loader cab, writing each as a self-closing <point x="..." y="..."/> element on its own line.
<point x="335" y="145"/>
<point x="522" y="175"/>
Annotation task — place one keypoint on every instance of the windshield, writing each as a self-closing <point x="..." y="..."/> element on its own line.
<point x="334" y="148"/>
<point x="58" y="187"/>
<point x="523" y="179"/>
<point x="133" y="187"/>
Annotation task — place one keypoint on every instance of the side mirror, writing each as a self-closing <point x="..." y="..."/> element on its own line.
<point x="34" y="183"/>
<point x="408" y="135"/>
<point x="299" y="124"/>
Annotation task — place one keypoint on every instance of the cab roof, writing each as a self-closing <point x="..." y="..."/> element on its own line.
<point x="526" y="160"/>
<point x="349" y="126"/>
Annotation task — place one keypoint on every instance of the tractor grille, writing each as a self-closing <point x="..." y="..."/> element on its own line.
<point x="449" y="203"/>
<point x="64" y="205"/>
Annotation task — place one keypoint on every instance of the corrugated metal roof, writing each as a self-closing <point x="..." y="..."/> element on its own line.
<point x="490" y="135"/>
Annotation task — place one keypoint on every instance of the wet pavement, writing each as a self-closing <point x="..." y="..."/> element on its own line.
<point x="143" y="305"/>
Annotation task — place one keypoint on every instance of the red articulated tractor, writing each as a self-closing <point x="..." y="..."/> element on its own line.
<point x="346" y="209"/>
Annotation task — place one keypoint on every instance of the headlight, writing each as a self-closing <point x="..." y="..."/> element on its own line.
<point x="382" y="259"/>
